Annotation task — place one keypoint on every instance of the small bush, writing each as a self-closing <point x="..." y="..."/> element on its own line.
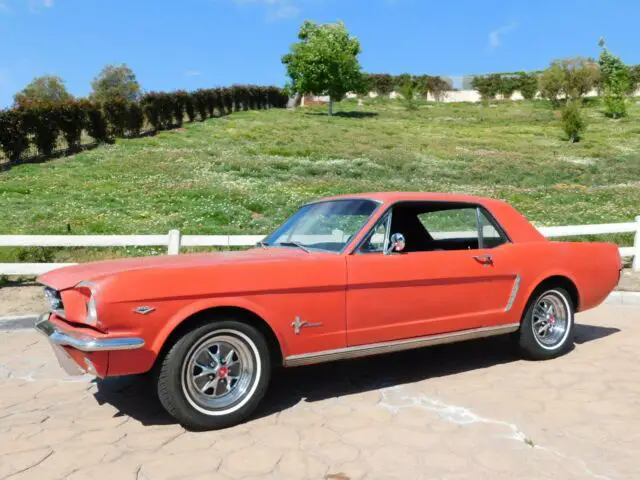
<point x="41" y="121"/>
<point x="115" y="113"/>
<point x="189" y="107"/>
<point x="573" y="122"/>
<point x="96" y="123"/>
<point x="135" y="119"/>
<point x="13" y="135"/>
<point x="72" y="119"/>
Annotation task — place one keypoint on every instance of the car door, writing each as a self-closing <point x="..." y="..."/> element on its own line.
<point x="429" y="290"/>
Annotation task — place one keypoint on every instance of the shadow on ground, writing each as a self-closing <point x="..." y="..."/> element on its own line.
<point x="345" y="114"/>
<point x="134" y="396"/>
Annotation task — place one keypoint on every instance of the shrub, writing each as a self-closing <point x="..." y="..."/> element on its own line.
<point x="527" y="85"/>
<point x="573" y="122"/>
<point x="407" y="90"/>
<point x="115" y="113"/>
<point x="634" y="79"/>
<point x="72" y="119"/>
<point x="200" y="103"/>
<point x="167" y="109"/>
<point x="135" y="119"/>
<point x="96" y="123"/>
<point x="615" y="83"/>
<point x="189" y="108"/>
<point x="226" y="100"/>
<point x="581" y="75"/>
<point x="211" y="101"/>
<point x="179" y="103"/>
<point x="13" y="135"/>
<point x="40" y="120"/>
<point x="151" y="109"/>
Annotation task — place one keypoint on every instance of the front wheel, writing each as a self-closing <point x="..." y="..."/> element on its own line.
<point x="545" y="330"/>
<point x="215" y="375"/>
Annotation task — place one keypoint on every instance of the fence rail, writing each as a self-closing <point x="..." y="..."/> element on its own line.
<point x="174" y="241"/>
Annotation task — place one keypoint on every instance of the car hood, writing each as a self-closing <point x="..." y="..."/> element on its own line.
<point x="69" y="277"/>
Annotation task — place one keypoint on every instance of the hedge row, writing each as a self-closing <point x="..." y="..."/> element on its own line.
<point x="384" y="84"/>
<point x="40" y="124"/>
<point x="506" y="84"/>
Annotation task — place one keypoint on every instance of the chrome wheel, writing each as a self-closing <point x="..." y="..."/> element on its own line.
<point x="219" y="372"/>
<point x="551" y="317"/>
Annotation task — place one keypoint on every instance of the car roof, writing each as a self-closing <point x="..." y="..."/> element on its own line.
<point x="392" y="197"/>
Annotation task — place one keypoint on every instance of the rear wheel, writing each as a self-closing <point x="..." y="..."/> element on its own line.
<point x="215" y="375"/>
<point x="546" y="328"/>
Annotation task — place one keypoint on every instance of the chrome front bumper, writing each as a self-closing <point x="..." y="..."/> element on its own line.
<point x="83" y="342"/>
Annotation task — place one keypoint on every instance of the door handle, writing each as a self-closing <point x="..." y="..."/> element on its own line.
<point x="484" y="259"/>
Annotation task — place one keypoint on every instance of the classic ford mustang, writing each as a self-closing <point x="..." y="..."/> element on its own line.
<point x="344" y="277"/>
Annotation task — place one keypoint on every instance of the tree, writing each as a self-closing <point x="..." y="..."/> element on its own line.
<point x="47" y="88"/>
<point x="581" y="75"/>
<point x="528" y="85"/>
<point x="115" y="82"/>
<point x="552" y="83"/>
<point x="615" y="83"/>
<point x="325" y="62"/>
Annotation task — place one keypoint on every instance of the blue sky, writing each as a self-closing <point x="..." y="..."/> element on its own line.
<point x="199" y="43"/>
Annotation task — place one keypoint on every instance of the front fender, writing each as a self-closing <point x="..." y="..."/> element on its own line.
<point x="209" y="303"/>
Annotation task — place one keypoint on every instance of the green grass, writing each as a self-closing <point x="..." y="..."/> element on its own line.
<point x="246" y="172"/>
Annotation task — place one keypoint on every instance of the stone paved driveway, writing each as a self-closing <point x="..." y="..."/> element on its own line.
<point x="453" y="412"/>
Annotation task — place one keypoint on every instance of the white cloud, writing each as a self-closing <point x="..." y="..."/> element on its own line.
<point x="192" y="73"/>
<point x="276" y="9"/>
<point x="495" y="36"/>
<point x="3" y="6"/>
<point x="47" y="3"/>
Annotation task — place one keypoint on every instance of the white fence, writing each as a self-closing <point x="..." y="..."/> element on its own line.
<point x="174" y="241"/>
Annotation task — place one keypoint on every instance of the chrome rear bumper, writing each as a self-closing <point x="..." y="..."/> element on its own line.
<point x="83" y="342"/>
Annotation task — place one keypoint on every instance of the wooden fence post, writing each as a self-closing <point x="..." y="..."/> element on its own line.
<point x="174" y="242"/>
<point x="636" y="247"/>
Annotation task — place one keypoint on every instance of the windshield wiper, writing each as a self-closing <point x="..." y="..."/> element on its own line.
<point x="293" y="243"/>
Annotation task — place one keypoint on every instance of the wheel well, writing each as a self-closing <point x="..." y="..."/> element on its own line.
<point x="562" y="282"/>
<point x="216" y="313"/>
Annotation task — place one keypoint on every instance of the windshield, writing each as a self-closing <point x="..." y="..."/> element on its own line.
<point x="323" y="226"/>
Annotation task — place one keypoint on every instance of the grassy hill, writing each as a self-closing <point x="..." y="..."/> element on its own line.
<point x="246" y="172"/>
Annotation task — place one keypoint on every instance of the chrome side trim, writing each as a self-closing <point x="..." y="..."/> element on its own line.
<point x="85" y="343"/>
<point x="514" y="293"/>
<point x="397" y="345"/>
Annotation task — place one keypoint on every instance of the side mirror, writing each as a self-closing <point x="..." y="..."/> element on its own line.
<point x="397" y="243"/>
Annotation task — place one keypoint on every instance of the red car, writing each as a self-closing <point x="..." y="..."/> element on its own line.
<point x="344" y="277"/>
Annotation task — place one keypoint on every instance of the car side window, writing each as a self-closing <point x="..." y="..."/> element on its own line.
<point x="491" y="236"/>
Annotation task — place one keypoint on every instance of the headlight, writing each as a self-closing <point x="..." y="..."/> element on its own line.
<point x="55" y="300"/>
<point x="92" y="307"/>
